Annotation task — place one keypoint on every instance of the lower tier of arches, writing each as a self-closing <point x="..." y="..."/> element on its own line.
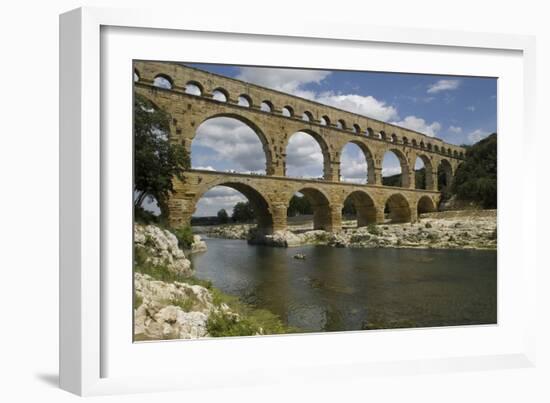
<point x="270" y="198"/>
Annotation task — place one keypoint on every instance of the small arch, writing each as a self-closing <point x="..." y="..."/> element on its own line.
<point x="266" y="106"/>
<point x="422" y="144"/>
<point x="287" y="111"/>
<point x="461" y="154"/>
<point x="414" y="143"/>
<point x="455" y="153"/>
<point x="449" y="152"/>
<point x="369" y="132"/>
<point x="356" y="128"/>
<point x="319" y="201"/>
<point x="397" y="209"/>
<point x="341" y="124"/>
<point x="430" y="146"/>
<point x="325" y="121"/>
<point x="307" y="116"/>
<point x="194" y="88"/>
<point x="405" y="141"/>
<point x="436" y="148"/>
<point x="220" y="95"/>
<point x="137" y="76"/>
<point x="394" y="138"/>
<point x="383" y="135"/>
<point x="244" y="100"/>
<point x="425" y="205"/>
<point x="360" y="205"/>
<point x="163" y="81"/>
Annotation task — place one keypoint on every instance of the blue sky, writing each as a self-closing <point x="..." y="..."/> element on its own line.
<point x="459" y="110"/>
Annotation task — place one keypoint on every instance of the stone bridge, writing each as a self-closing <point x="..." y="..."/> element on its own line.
<point x="193" y="96"/>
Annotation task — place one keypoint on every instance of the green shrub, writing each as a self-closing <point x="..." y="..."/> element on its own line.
<point x="220" y="325"/>
<point x="185" y="236"/>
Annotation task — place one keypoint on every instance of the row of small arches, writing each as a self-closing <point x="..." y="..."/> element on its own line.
<point x="243" y="100"/>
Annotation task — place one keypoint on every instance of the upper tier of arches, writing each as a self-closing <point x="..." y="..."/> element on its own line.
<point x="177" y="77"/>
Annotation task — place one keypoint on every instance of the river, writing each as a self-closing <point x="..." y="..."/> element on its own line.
<point x="336" y="289"/>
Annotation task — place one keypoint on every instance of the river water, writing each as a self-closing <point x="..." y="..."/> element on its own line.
<point x="337" y="289"/>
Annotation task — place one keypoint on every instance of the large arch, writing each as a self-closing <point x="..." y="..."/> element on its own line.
<point x="398" y="208"/>
<point x="368" y="158"/>
<point x="322" y="214"/>
<point x="365" y="208"/>
<point x="428" y="173"/>
<point x="322" y="144"/>
<point x="403" y="163"/>
<point x="269" y="168"/>
<point x="444" y="174"/>
<point x="425" y="205"/>
<point x="258" y="202"/>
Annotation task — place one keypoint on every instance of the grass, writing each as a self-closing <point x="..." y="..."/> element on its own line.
<point x="373" y="229"/>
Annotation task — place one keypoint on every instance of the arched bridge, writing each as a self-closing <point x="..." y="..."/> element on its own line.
<point x="193" y="96"/>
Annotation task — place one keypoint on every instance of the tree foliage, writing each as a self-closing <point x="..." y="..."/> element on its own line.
<point x="476" y="178"/>
<point x="156" y="159"/>
<point x="223" y="217"/>
<point x="299" y="205"/>
<point x="242" y="212"/>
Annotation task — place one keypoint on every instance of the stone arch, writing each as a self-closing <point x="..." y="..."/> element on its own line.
<point x="259" y="203"/>
<point x="341" y="124"/>
<point x="194" y="88"/>
<point x="428" y="172"/>
<point x="369" y="132"/>
<point x="137" y="75"/>
<point x="162" y="80"/>
<point x="287" y="111"/>
<point x="220" y="94"/>
<point x="369" y="157"/>
<point x="414" y="143"/>
<point x="365" y="207"/>
<point x="398" y="208"/>
<point x="266" y="106"/>
<point x="269" y="158"/>
<point x="322" y="144"/>
<point x="244" y="100"/>
<point x="307" y="116"/>
<point x="425" y="205"/>
<point x="394" y="138"/>
<point x="444" y="174"/>
<point x="322" y="213"/>
<point x="405" y="140"/>
<point x="404" y="164"/>
<point x="356" y="128"/>
<point x="325" y="121"/>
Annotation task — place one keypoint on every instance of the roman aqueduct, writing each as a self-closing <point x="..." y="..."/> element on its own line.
<point x="275" y="116"/>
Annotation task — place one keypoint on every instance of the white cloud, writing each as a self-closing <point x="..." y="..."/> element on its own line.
<point x="286" y="80"/>
<point x="293" y="81"/>
<point x="455" y="129"/>
<point x="304" y="157"/>
<point x="419" y="125"/>
<point x="443" y="85"/>
<point x="471" y="108"/>
<point x="477" y="135"/>
<point x="353" y="165"/>
<point x="229" y="144"/>
<point x="363" y="105"/>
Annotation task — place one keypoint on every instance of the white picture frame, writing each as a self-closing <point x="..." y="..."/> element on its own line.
<point x="90" y="340"/>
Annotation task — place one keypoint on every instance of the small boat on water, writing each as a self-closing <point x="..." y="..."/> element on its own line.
<point x="299" y="256"/>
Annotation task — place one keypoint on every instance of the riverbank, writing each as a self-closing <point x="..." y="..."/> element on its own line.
<point x="464" y="229"/>
<point x="170" y="303"/>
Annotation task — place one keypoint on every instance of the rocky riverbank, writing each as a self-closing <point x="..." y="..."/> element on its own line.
<point x="465" y="229"/>
<point x="169" y="303"/>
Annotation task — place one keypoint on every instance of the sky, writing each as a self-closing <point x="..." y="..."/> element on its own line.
<point x="456" y="109"/>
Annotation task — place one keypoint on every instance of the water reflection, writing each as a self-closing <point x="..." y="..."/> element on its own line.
<point x="350" y="289"/>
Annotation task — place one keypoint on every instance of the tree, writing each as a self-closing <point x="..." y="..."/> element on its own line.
<point x="299" y="205"/>
<point x="476" y="178"/>
<point x="242" y="212"/>
<point x="157" y="160"/>
<point x="223" y="217"/>
<point x="349" y="208"/>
